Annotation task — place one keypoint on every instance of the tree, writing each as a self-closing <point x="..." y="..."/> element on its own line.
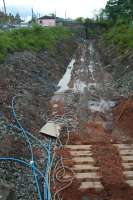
<point x="2" y="17"/>
<point x="112" y="9"/>
<point x="18" y="19"/>
<point x="102" y="15"/>
<point x="119" y="9"/>
<point x="128" y="8"/>
<point x="80" y="19"/>
<point x="11" y="19"/>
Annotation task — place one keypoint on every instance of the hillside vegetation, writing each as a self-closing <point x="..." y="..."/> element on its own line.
<point x="121" y="36"/>
<point x="35" y="39"/>
<point x="119" y="18"/>
<point x="116" y="43"/>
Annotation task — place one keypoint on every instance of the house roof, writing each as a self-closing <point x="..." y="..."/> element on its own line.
<point x="58" y="19"/>
<point x="47" y="17"/>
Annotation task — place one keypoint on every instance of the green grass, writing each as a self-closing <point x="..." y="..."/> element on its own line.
<point x="120" y="35"/>
<point x="34" y="39"/>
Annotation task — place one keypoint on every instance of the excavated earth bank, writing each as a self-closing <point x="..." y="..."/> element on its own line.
<point x="32" y="78"/>
<point x="91" y="99"/>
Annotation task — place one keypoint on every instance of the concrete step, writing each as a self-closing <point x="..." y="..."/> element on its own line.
<point x="128" y="174"/>
<point x="81" y="153"/>
<point x="126" y="152"/>
<point x="127" y="165"/>
<point x="130" y="183"/>
<point x="83" y="160"/>
<point x="89" y="175"/>
<point x="127" y="158"/>
<point x="85" y="167"/>
<point x="79" y="147"/>
<point x="91" y="185"/>
<point x="124" y="146"/>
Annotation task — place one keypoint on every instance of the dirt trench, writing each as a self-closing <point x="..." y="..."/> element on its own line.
<point x="94" y="153"/>
<point x="98" y="154"/>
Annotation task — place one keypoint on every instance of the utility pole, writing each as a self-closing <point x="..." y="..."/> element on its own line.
<point x="32" y="13"/>
<point x="55" y="13"/>
<point x="33" y="16"/>
<point x="5" y="10"/>
<point x="4" y="7"/>
<point x="65" y="15"/>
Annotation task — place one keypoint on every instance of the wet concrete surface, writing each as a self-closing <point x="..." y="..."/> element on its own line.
<point x="93" y="86"/>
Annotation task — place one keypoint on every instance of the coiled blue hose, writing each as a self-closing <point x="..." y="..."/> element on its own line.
<point x="29" y="144"/>
<point x="22" y="129"/>
<point x="36" y="172"/>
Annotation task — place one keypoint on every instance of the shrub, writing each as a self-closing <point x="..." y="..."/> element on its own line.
<point x="35" y="38"/>
<point x="120" y="35"/>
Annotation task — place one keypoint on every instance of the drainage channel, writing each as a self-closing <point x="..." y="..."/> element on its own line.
<point x="80" y="94"/>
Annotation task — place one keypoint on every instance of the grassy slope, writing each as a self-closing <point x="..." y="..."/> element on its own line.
<point x="121" y="35"/>
<point x="35" y="39"/>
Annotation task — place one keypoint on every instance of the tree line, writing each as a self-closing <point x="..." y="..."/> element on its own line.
<point x="9" y="18"/>
<point x="118" y="10"/>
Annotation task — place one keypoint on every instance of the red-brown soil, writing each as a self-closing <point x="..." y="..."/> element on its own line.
<point x="110" y="168"/>
<point x="124" y="117"/>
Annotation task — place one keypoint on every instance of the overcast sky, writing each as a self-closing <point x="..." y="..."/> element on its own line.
<point x="73" y="8"/>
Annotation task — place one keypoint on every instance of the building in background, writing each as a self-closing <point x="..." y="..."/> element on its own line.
<point x="60" y="21"/>
<point x="48" y="21"/>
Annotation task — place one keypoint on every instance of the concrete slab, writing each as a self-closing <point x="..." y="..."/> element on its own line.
<point x="128" y="174"/>
<point x="88" y="175"/>
<point x="127" y="165"/>
<point x="130" y="183"/>
<point x="85" y="167"/>
<point x="124" y="146"/>
<point x="83" y="159"/>
<point x="64" y="82"/>
<point x="79" y="147"/>
<point x="81" y="153"/>
<point x="126" y="152"/>
<point x="51" y="129"/>
<point x="127" y="158"/>
<point x="91" y="185"/>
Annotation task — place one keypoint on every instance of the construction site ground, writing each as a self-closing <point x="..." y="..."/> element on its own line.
<point x="98" y="136"/>
<point x="84" y="151"/>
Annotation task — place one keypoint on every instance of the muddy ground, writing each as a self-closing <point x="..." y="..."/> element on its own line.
<point x="119" y="64"/>
<point x="90" y="106"/>
<point x="101" y="117"/>
<point x="33" y="78"/>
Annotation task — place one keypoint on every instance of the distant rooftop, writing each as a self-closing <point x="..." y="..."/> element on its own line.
<point x="58" y="19"/>
<point x="47" y="17"/>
